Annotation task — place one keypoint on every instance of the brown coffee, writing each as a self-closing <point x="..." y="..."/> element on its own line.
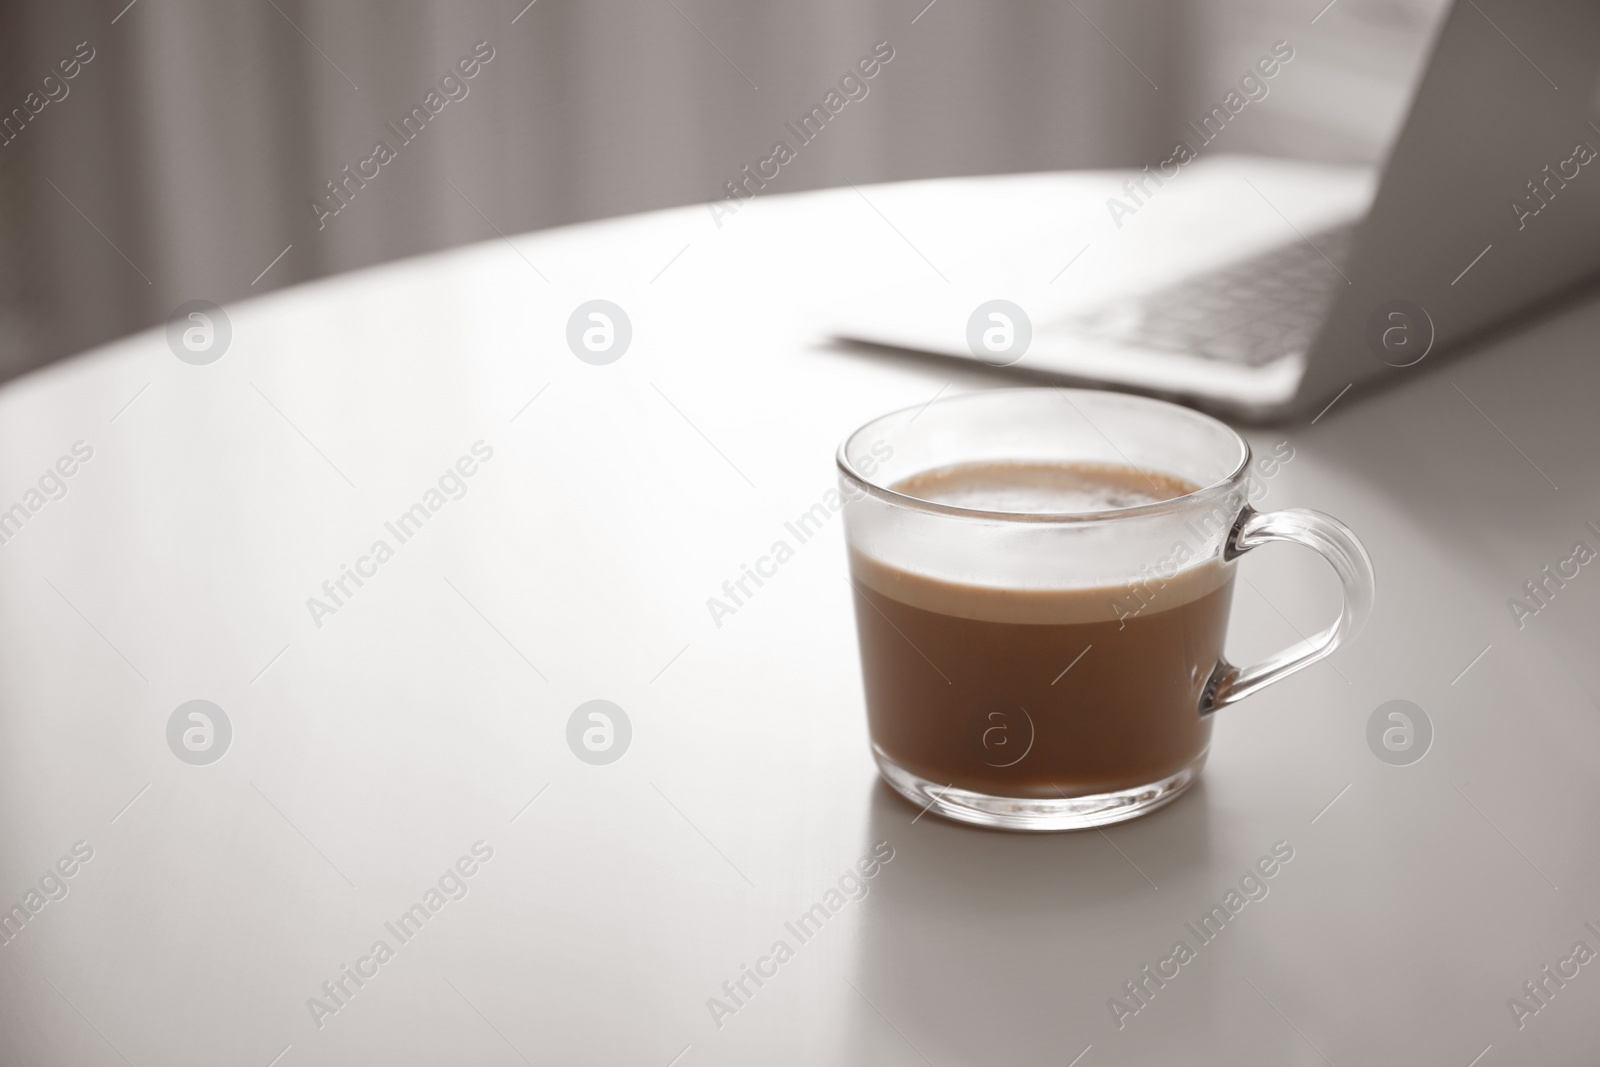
<point x="1039" y="693"/>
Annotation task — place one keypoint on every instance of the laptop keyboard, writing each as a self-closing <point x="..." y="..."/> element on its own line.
<point x="1252" y="312"/>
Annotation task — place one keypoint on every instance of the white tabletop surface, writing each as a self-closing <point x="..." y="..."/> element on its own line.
<point x="429" y="711"/>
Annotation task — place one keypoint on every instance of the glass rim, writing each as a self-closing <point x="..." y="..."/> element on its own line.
<point x="1218" y="488"/>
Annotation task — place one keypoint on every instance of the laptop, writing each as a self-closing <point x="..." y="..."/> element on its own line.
<point x="1290" y="289"/>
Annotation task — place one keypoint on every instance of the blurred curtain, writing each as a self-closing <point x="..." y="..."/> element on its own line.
<point x="183" y="157"/>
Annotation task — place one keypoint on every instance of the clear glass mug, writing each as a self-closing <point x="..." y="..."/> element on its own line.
<point x="1058" y="671"/>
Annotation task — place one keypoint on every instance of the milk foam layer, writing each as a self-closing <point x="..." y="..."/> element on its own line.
<point x="1043" y="488"/>
<point x="1047" y="606"/>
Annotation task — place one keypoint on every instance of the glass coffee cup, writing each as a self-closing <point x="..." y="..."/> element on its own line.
<point x="1042" y="582"/>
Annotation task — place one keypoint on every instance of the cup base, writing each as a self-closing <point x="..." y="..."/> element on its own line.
<point x="1036" y="813"/>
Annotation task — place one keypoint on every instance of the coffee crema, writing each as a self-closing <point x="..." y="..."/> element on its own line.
<point x="1038" y="692"/>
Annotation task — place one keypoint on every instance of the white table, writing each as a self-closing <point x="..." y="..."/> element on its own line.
<point x="430" y="710"/>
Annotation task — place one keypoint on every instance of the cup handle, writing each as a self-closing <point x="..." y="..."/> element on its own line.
<point x="1333" y="539"/>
